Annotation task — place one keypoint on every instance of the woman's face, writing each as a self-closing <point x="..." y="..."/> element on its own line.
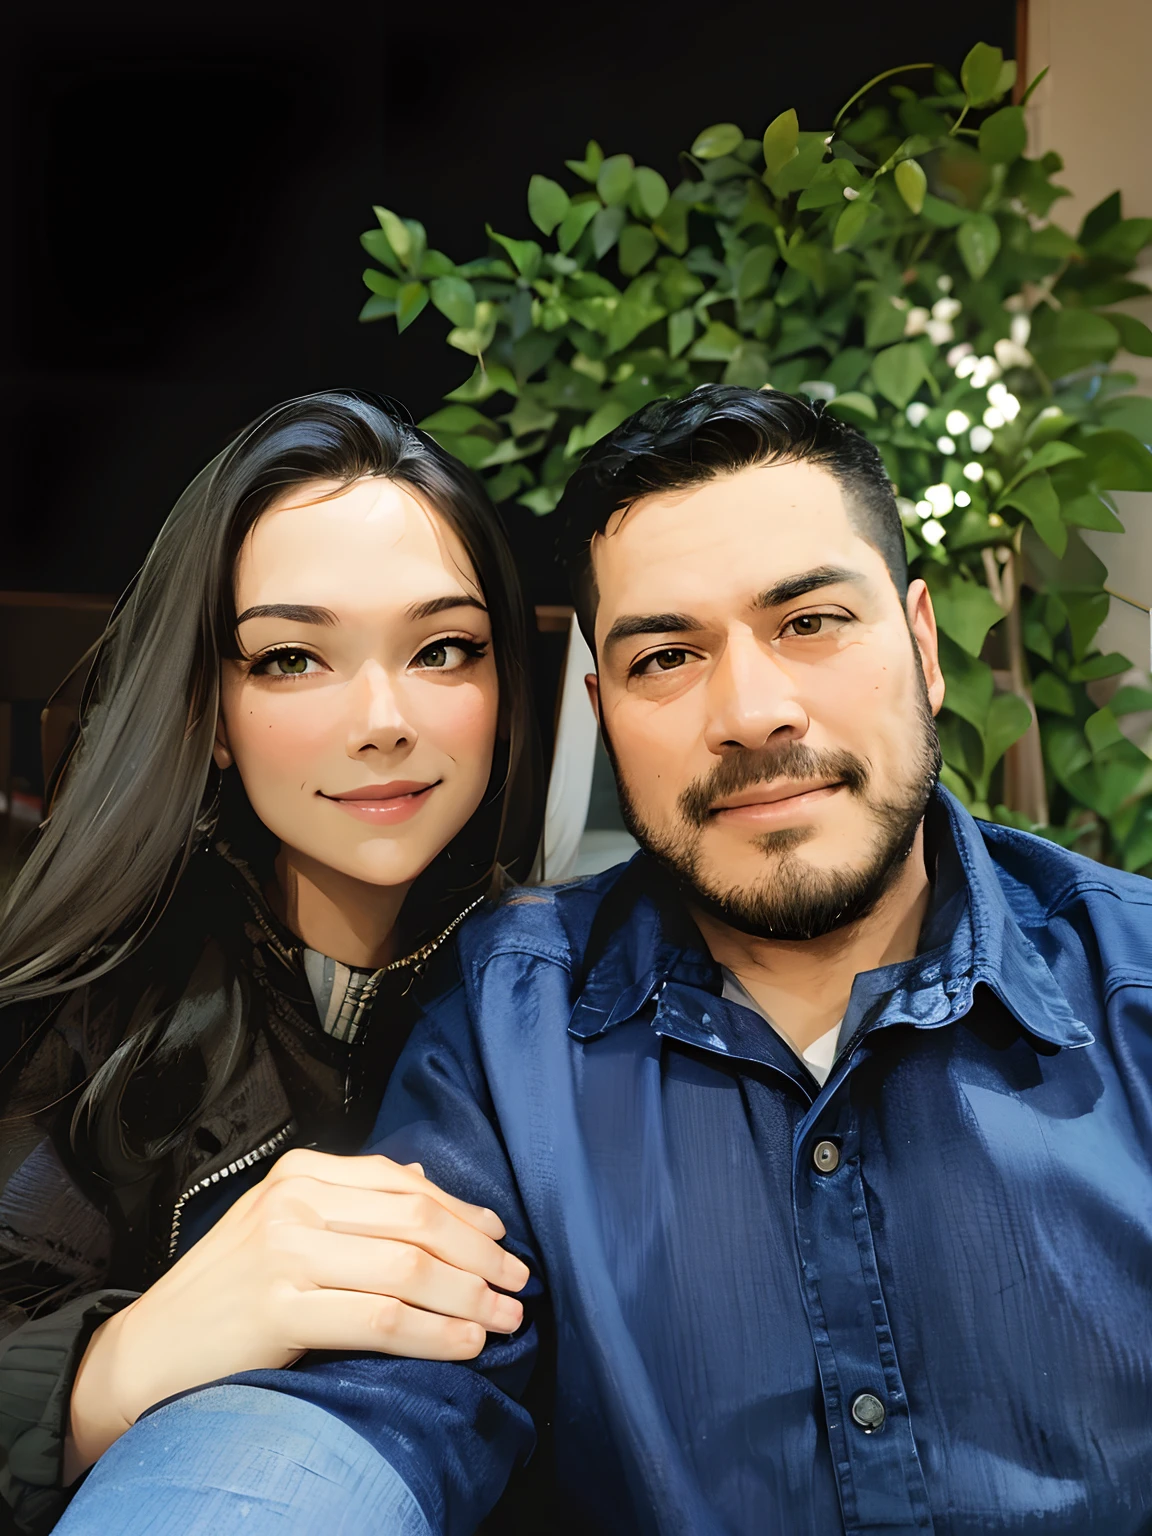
<point x="363" y="714"/>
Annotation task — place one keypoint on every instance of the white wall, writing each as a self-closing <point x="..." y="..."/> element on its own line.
<point x="1095" y="109"/>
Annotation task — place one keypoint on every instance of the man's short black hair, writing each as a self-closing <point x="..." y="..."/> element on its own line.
<point x="718" y="429"/>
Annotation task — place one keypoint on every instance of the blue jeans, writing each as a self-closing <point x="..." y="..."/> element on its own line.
<point x="238" y="1459"/>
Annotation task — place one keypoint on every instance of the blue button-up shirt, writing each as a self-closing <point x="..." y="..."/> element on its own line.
<point x="713" y="1296"/>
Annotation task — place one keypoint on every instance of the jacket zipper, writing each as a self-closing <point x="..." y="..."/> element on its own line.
<point x="258" y="1154"/>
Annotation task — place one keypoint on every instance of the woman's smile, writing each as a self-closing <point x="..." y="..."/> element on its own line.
<point x="383" y="804"/>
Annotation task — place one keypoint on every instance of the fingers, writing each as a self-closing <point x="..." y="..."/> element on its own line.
<point x="381" y="1173"/>
<point x="338" y="1261"/>
<point x="350" y="1321"/>
<point x="415" y="1219"/>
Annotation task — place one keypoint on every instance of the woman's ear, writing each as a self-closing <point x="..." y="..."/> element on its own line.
<point x="221" y="751"/>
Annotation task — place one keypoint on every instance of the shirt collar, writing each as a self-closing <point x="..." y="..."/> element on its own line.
<point x="643" y="938"/>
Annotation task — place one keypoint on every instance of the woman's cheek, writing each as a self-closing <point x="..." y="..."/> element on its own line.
<point x="275" y="740"/>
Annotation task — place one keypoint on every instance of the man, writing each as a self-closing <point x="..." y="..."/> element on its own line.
<point x="825" y="1125"/>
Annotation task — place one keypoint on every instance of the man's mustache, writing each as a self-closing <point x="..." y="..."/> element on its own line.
<point x="765" y="765"/>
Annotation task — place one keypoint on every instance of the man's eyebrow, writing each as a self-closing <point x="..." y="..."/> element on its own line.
<point x="792" y="587"/>
<point x="434" y="605"/>
<point x="294" y="613"/>
<point x="634" y="624"/>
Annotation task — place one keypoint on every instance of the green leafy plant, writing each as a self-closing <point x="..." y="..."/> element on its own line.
<point x="902" y="267"/>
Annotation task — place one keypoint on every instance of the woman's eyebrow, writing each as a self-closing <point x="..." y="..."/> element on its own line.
<point x="295" y="613"/>
<point x="434" y="605"/>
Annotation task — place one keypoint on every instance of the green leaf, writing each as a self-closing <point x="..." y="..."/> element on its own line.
<point x="547" y="203"/>
<point x="978" y="241"/>
<point x="1003" y="136"/>
<point x="911" y="183"/>
<point x="942" y="214"/>
<point x="1118" y="462"/>
<point x="1008" y="719"/>
<point x="525" y="254"/>
<point x="1036" y="497"/>
<point x="1123" y="242"/>
<point x="1007" y="77"/>
<point x="1090" y="510"/>
<point x="410" y="302"/>
<point x="375" y="242"/>
<point x="1033" y="83"/>
<point x="717" y="344"/>
<point x="607" y="227"/>
<point x="396" y="232"/>
<point x="1051" y="693"/>
<point x="377" y="308"/>
<point x="1130" y="701"/>
<point x="968" y="683"/>
<point x="1046" y="457"/>
<point x="589" y="168"/>
<point x="1135" y="337"/>
<point x="796" y="173"/>
<point x="850" y="224"/>
<point x="651" y="191"/>
<point x="720" y="139"/>
<point x="965" y="611"/>
<point x="672" y="226"/>
<point x="380" y="283"/>
<point x="898" y="372"/>
<point x="780" y="140"/>
<point x="1100" y="218"/>
<point x="575" y="222"/>
<point x="638" y="245"/>
<point x="980" y="74"/>
<point x="458" y="419"/>
<point x="1098" y="667"/>
<point x="484" y="383"/>
<point x="1131" y="413"/>
<point x="855" y="407"/>
<point x="1102" y="730"/>
<point x="455" y="298"/>
<point x="542" y="499"/>
<point x="476" y="338"/>
<point x="681" y="329"/>
<point x="755" y="270"/>
<point x="1064" y="340"/>
<point x="615" y="179"/>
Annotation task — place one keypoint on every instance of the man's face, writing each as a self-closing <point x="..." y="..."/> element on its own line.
<point x="768" y="711"/>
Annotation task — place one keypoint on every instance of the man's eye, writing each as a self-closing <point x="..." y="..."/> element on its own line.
<point x="807" y="624"/>
<point x="660" y="661"/>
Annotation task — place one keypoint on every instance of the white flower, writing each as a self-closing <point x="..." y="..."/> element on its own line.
<point x="967" y="365"/>
<point x="945" y="445"/>
<point x="933" y="532"/>
<point x="1009" y="354"/>
<point x="974" y="472"/>
<point x="907" y="510"/>
<point x="924" y="508"/>
<point x="993" y="418"/>
<point x="963" y="499"/>
<point x="1015" y="303"/>
<point x="1021" y="329"/>
<point x="916" y="322"/>
<point x="940" y="498"/>
<point x="916" y="413"/>
<point x="1005" y="402"/>
<point x="957" y="422"/>
<point x="981" y="439"/>
<point x="986" y="369"/>
<point x="944" y="283"/>
<point x="898" y="301"/>
<point x="946" y="309"/>
<point x="851" y="194"/>
<point x="939" y="332"/>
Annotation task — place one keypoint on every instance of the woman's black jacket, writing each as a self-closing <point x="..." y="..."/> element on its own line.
<point x="91" y="1203"/>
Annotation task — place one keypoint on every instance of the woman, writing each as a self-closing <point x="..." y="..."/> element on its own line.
<point x="306" y="753"/>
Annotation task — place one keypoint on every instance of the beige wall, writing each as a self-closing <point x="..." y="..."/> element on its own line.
<point x="1095" y="109"/>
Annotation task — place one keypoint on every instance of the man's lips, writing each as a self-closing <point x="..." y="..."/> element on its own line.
<point x="774" y="801"/>
<point x="384" y="804"/>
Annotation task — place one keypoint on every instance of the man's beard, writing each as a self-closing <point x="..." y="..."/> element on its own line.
<point x="794" y="901"/>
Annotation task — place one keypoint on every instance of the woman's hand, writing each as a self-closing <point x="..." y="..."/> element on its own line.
<point x="344" y="1253"/>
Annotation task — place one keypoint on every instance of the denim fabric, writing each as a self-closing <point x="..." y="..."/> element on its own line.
<point x="237" y="1460"/>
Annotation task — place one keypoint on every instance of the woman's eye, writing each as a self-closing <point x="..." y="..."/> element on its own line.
<point x="666" y="660"/>
<point x="287" y="664"/>
<point x="447" y="655"/>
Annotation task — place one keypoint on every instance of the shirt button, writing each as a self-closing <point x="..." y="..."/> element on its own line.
<point x="826" y="1157"/>
<point x="868" y="1411"/>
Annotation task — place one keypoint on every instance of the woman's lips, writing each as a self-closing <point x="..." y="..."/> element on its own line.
<point x="383" y="805"/>
<point x="779" y="808"/>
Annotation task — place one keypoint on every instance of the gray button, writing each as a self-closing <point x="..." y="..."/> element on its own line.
<point x="868" y="1411"/>
<point x="826" y="1156"/>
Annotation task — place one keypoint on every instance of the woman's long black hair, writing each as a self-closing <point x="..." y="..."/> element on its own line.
<point x="141" y="789"/>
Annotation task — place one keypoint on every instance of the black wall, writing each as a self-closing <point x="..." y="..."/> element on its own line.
<point x="186" y="186"/>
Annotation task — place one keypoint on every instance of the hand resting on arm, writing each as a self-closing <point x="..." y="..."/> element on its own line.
<point x="327" y="1253"/>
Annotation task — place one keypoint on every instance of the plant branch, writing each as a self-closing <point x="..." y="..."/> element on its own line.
<point x="864" y="89"/>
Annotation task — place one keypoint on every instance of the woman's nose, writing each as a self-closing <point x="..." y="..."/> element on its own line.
<point x="377" y="718"/>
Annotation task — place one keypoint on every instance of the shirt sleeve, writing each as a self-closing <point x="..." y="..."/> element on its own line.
<point x="38" y="1365"/>
<point x="453" y="1432"/>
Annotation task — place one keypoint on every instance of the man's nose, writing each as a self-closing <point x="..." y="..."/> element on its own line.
<point x="751" y="698"/>
<point x="377" y="718"/>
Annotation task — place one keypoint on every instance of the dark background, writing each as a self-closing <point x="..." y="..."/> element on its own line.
<point x="187" y="185"/>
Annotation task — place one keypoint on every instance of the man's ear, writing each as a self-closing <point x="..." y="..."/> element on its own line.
<point x="592" y="683"/>
<point x="221" y="751"/>
<point x="922" y="623"/>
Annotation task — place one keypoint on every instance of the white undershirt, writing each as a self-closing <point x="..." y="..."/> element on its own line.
<point x="818" y="1057"/>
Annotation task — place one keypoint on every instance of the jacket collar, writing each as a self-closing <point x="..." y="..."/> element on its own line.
<point x="970" y="937"/>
